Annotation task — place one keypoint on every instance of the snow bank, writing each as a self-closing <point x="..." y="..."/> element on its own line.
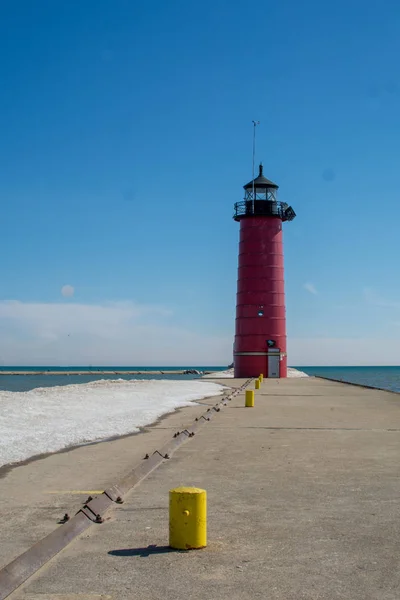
<point x="220" y="374"/>
<point x="49" y="419"/>
<point x="295" y="373"/>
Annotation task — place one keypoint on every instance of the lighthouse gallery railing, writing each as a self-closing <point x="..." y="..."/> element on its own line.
<point x="265" y="208"/>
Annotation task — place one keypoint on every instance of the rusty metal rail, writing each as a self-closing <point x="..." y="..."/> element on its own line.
<point x="21" y="568"/>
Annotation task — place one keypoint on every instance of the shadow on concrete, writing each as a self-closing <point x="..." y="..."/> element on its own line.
<point x="144" y="552"/>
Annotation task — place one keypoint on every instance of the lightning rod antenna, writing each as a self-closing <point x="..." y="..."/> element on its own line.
<point x="255" y="123"/>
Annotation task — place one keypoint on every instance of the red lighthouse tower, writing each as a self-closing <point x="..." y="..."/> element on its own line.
<point x="260" y="339"/>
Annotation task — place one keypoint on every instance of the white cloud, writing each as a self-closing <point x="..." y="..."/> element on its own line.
<point x="114" y="333"/>
<point x="310" y="287"/>
<point x="126" y="333"/>
<point x="375" y="299"/>
<point x="67" y="291"/>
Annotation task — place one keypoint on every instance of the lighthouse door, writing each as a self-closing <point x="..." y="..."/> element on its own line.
<point x="273" y="364"/>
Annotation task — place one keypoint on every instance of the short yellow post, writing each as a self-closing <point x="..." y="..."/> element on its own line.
<point x="249" y="397"/>
<point x="187" y="518"/>
<point x="257" y="384"/>
<point x="261" y="378"/>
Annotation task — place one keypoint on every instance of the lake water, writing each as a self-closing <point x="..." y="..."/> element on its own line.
<point x="387" y="378"/>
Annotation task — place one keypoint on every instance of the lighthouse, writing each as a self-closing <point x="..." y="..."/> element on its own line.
<point x="260" y="331"/>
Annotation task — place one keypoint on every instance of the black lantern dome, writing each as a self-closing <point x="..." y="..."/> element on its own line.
<point x="264" y="189"/>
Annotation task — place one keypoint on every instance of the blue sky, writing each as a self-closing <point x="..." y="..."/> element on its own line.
<point x="125" y="141"/>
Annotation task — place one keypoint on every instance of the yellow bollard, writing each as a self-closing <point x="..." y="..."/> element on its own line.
<point x="261" y="378"/>
<point x="249" y="397"/>
<point x="257" y="384"/>
<point x="187" y="518"/>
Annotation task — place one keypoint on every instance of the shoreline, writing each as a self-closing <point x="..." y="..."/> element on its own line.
<point x="8" y="467"/>
<point x="95" y="372"/>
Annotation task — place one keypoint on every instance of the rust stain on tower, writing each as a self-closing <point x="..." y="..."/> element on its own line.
<point x="260" y="338"/>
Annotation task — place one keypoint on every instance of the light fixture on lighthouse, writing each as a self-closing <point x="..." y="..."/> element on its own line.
<point x="260" y="199"/>
<point x="264" y="189"/>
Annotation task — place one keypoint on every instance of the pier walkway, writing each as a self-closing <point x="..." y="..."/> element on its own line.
<point x="303" y="502"/>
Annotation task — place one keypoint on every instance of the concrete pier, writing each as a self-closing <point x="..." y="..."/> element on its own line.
<point x="303" y="502"/>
